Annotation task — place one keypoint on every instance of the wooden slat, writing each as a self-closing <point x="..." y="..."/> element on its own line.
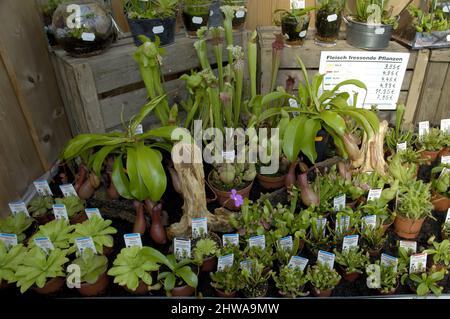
<point x="442" y="55"/>
<point x="443" y="110"/>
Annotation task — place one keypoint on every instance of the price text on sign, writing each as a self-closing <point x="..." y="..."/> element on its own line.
<point x="383" y="75"/>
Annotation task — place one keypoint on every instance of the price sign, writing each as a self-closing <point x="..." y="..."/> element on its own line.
<point x="182" y="248"/>
<point x="298" y="262"/>
<point x="257" y="241"/>
<point x="18" y="207"/>
<point x="326" y="258"/>
<point x="42" y="188"/>
<point x="225" y="262"/>
<point x="383" y="75"/>
<point x="199" y="227"/>
<point x="132" y="240"/>
<point x="230" y="240"/>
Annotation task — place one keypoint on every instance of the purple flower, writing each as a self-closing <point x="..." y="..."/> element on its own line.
<point x="238" y="200"/>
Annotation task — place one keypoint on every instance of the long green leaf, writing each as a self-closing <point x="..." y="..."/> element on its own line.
<point x="137" y="185"/>
<point x="119" y="179"/>
<point x="188" y="276"/>
<point x="293" y="134"/>
<point x="100" y="157"/>
<point x="151" y="170"/>
<point x="335" y="121"/>
<point x="308" y="139"/>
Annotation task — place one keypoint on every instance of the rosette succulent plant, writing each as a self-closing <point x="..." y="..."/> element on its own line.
<point x="59" y="232"/>
<point x="291" y="281"/>
<point x="10" y="259"/>
<point x="74" y="204"/>
<point x="16" y="224"/>
<point x="92" y="266"/>
<point x="40" y="206"/>
<point x="100" y="230"/>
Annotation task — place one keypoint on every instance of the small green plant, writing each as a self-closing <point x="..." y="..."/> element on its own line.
<point x="428" y="282"/>
<point x="10" y="259"/>
<point x="203" y="249"/>
<point x="435" y="20"/>
<point x="37" y="267"/>
<point x="318" y="237"/>
<point x="264" y="256"/>
<point x="402" y="171"/>
<point x="227" y="280"/>
<point x="352" y="260"/>
<point x="323" y="278"/>
<point x="397" y="135"/>
<point x="296" y="16"/>
<point x="151" y="9"/>
<point x="74" y="205"/>
<point x="411" y="156"/>
<point x="414" y="201"/>
<point x="291" y="281"/>
<point x="255" y="279"/>
<point x="59" y="232"/>
<point x="177" y="274"/>
<point x="40" y="206"/>
<point x="388" y="280"/>
<point x="253" y="220"/>
<point x="378" y="209"/>
<point x="92" y="266"/>
<point x="16" y="224"/>
<point x="373" y="238"/>
<point x="196" y="7"/>
<point x="367" y="9"/>
<point x="433" y="141"/>
<point x="99" y="229"/>
<point x="227" y="176"/>
<point x="440" y="181"/>
<point x="440" y="252"/>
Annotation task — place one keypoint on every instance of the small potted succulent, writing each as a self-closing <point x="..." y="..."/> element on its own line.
<point x="227" y="283"/>
<point x="195" y="15"/>
<point x="10" y="259"/>
<point x="255" y="279"/>
<point x="153" y="18"/>
<point x="240" y="12"/>
<point x="177" y="277"/>
<point x="431" y="144"/>
<point x="291" y="282"/>
<point x="425" y="283"/>
<point x="16" y="224"/>
<point x="59" y="232"/>
<point x="294" y="24"/>
<point x="441" y="254"/>
<point x="384" y="216"/>
<point x="440" y="185"/>
<point x="373" y="239"/>
<point x="40" y="209"/>
<point x="276" y="180"/>
<point x="100" y="230"/>
<point x="42" y="272"/>
<point x="414" y="205"/>
<point x="323" y="280"/>
<point x="353" y="262"/>
<point x="205" y="252"/>
<point x="75" y="208"/>
<point x="328" y="21"/>
<point x="94" y="279"/>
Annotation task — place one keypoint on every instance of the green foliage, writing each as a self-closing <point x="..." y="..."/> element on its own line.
<point x="228" y="280"/>
<point x="402" y="171"/>
<point x="372" y="238"/>
<point x="322" y="277"/>
<point x="50" y="6"/>
<point x="16" y="224"/>
<point x="152" y="9"/>
<point x="252" y="219"/>
<point x="414" y="201"/>
<point x="440" y="252"/>
<point x="291" y="281"/>
<point x="196" y="7"/>
<point x="203" y="249"/>
<point x="59" y="232"/>
<point x="99" y="229"/>
<point x="331" y="6"/>
<point x="255" y="279"/>
<point x="378" y="209"/>
<point x="227" y="176"/>
<point x="428" y="282"/>
<point x="264" y="256"/>
<point x="37" y="267"/>
<point x="388" y="280"/>
<point x="446" y="230"/>
<point x="177" y="275"/>
<point x="297" y="16"/>
<point x="397" y="135"/>
<point x="91" y="266"/>
<point x="434" y="141"/>
<point x="428" y="22"/>
<point x="365" y="9"/>
<point x="40" y="206"/>
<point x="440" y="180"/>
<point x="74" y="205"/>
<point x="352" y="260"/>
<point x="10" y="259"/>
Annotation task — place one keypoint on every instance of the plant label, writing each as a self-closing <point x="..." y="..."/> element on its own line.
<point x="229" y="156"/>
<point x="447" y="218"/>
<point x="342" y="224"/>
<point x="286" y="243"/>
<point x="44" y="243"/>
<point x="387" y="260"/>
<point x="445" y="125"/>
<point x="211" y="13"/>
<point x="197" y="20"/>
<point x="418" y="263"/>
<point x="402" y="147"/>
<point x="379" y="31"/>
<point x="302" y="34"/>
<point x="68" y="190"/>
<point x="448" y="36"/>
<point x="230" y="240"/>
<point x="60" y="212"/>
<point x="92" y="212"/>
<point x="158" y="29"/>
<point x="298" y="262"/>
<point x="132" y="240"/>
<point x="84" y="243"/>
<point x="446" y="8"/>
<point x="10" y="240"/>
<point x="139" y="130"/>
<point x="339" y="203"/>
<point x="182" y="248"/>
<point x="257" y="241"/>
<point x="42" y="188"/>
<point x="199" y="227"/>
<point x="332" y="17"/>
<point x="374" y="194"/>
<point x="225" y="262"/>
<point x="88" y="36"/>
<point x="326" y="258"/>
<point x="321" y="224"/>
<point x="409" y="246"/>
<point x="240" y="14"/>
<point x="350" y="242"/>
<point x="298" y="4"/>
<point x="246" y="264"/>
<point x="18" y="207"/>
<point x="293" y="103"/>
<point x="445" y="159"/>
<point x="424" y="128"/>
<point x="369" y="221"/>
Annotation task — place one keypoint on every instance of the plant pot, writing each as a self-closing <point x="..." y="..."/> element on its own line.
<point x="224" y="198"/>
<point x="269" y="182"/>
<point x="78" y="218"/>
<point x="195" y="16"/>
<point x="183" y="291"/>
<point x="387" y="226"/>
<point x="389" y="293"/>
<point x="209" y="264"/>
<point x="295" y="30"/>
<point x="142" y="289"/>
<point x="258" y="292"/>
<point x="107" y="251"/>
<point x="445" y="152"/>
<point x="328" y="25"/>
<point x="96" y="288"/>
<point x="52" y="286"/>
<point x="351" y="277"/>
<point x="222" y="294"/>
<point x="407" y="228"/>
<point x="441" y="203"/>
<point x="430" y="156"/>
<point x="368" y="36"/>
<point x="164" y="29"/>
<point x="325" y="293"/>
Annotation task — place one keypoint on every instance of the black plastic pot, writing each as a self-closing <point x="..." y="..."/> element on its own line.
<point x="195" y="16"/>
<point x="327" y="27"/>
<point x="152" y="28"/>
<point x="295" y="29"/>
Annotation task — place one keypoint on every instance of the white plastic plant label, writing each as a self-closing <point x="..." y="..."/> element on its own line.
<point x="257" y="241"/>
<point x="342" y="224"/>
<point x="447" y="218"/>
<point x="326" y="258"/>
<point x="42" y="188"/>
<point x="84" y="243"/>
<point x="158" y="29"/>
<point x="139" y="130"/>
<point x="132" y="240"/>
<point x="182" y="248"/>
<point x="229" y="155"/>
<point x="225" y="262"/>
<point x="44" y="243"/>
<point x="68" y="190"/>
<point x="199" y="227"/>
<point x="332" y="17"/>
<point x="402" y="147"/>
<point x="418" y="263"/>
<point x="197" y="20"/>
<point x="293" y="103"/>
<point x="60" y="212"/>
<point x="445" y="159"/>
<point x="230" y="240"/>
<point x="321" y="224"/>
<point x="88" y="36"/>
<point x="445" y="125"/>
<point x="369" y="221"/>
<point x="298" y="262"/>
<point x="387" y="260"/>
<point x="339" y="203"/>
<point x="298" y="4"/>
<point x="350" y="242"/>
<point x="18" y="207"/>
<point x="409" y="246"/>
<point x="446" y="8"/>
<point x="448" y="38"/>
<point x="246" y="264"/>
<point x="379" y="31"/>
<point x="374" y="194"/>
<point x="302" y="34"/>
<point x="10" y="240"/>
<point x="286" y="243"/>
<point x="424" y="128"/>
<point x="92" y="212"/>
<point x="240" y="14"/>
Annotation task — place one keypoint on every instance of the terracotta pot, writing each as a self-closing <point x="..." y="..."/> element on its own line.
<point x="389" y="293"/>
<point x="183" y="291"/>
<point x="157" y="230"/>
<point x="209" y="264"/>
<point x="407" y="228"/>
<point x="3" y="285"/>
<point x="142" y="289"/>
<point x="325" y="293"/>
<point x="78" y="218"/>
<point x="221" y="294"/>
<point x="52" y="286"/>
<point x="42" y="220"/>
<point x="441" y="203"/>
<point x="96" y="288"/>
<point x="445" y="152"/>
<point x="375" y="252"/>
<point x="224" y="198"/>
<point x="387" y="226"/>
<point x="430" y="156"/>
<point x="269" y="182"/>
<point x="351" y="277"/>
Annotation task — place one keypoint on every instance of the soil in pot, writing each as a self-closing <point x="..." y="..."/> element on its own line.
<point x="327" y="27"/>
<point x="52" y="286"/>
<point x="407" y="228"/>
<point x="183" y="291"/>
<point x="195" y="17"/>
<point x="95" y="289"/>
<point x="164" y="29"/>
<point x="78" y="218"/>
<point x="295" y="30"/>
<point x="441" y="203"/>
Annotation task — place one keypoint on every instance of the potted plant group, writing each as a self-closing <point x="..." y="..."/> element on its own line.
<point x="294" y="24"/>
<point x="440" y="253"/>
<point x="328" y="21"/>
<point x="40" y="208"/>
<point x="323" y="280"/>
<point x="227" y="283"/>
<point x="10" y="259"/>
<point x="291" y="282"/>
<point x="431" y="144"/>
<point x="16" y="224"/>
<point x="353" y="263"/>
<point x="153" y="18"/>
<point x="75" y="208"/>
<point x="178" y="279"/>
<point x="255" y="279"/>
<point x="59" y="232"/>
<point x="440" y="185"/>
<point x="240" y="12"/>
<point x="100" y="230"/>
<point x="195" y="15"/>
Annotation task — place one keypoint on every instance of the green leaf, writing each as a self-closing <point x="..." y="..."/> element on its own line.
<point x="145" y="110"/>
<point x="169" y="282"/>
<point x="150" y="168"/>
<point x="350" y="82"/>
<point x="422" y="289"/>
<point x="188" y="276"/>
<point x="100" y="157"/>
<point x="360" y="119"/>
<point x="308" y="140"/>
<point x="335" y="121"/>
<point x="162" y="132"/>
<point x="137" y="184"/>
<point x="293" y="134"/>
<point x="120" y="180"/>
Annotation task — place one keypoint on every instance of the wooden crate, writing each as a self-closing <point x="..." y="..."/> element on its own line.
<point x="98" y="90"/>
<point x="310" y="54"/>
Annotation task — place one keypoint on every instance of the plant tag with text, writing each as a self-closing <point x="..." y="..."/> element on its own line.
<point x="339" y="202"/>
<point x="60" y="212"/>
<point x="132" y="240"/>
<point x="332" y="17"/>
<point x="44" y="243"/>
<point x="293" y="103"/>
<point x="321" y="225"/>
<point x="374" y="194"/>
<point x="409" y="246"/>
<point x="342" y="224"/>
<point x="158" y="29"/>
<point x="182" y="248"/>
<point x="350" y="242"/>
<point x="326" y="258"/>
<point x="445" y="159"/>
<point x="139" y="130"/>
<point x="418" y="263"/>
<point x="401" y="147"/>
<point x="225" y="262"/>
<point x="68" y="190"/>
<point x="240" y="14"/>
<point x="257" y="241"/>
<point x="229" y="155"/>
<point x="42" y="188"/>
<point x="445" y="125"/>
<point x="298" y="262"/>
<point x="91" y="212"/>
<point x="387" y="260"/>
<point x="286" y="243"/>
<point x="199" y="227"/>
<point x="84" y="243"/>
<point x="10" y="240"/>
<point x="298" y="4"/>
<point x="18" y="207"/>
<point x="424" y="128"/>
<point x="369" y="221"/>
<point x="230" y="240"/>
<point x="246" y="264"/>
<point x="197" y="20"/>
<point x="447" y="218"/>
<point x="88" y="36"/>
